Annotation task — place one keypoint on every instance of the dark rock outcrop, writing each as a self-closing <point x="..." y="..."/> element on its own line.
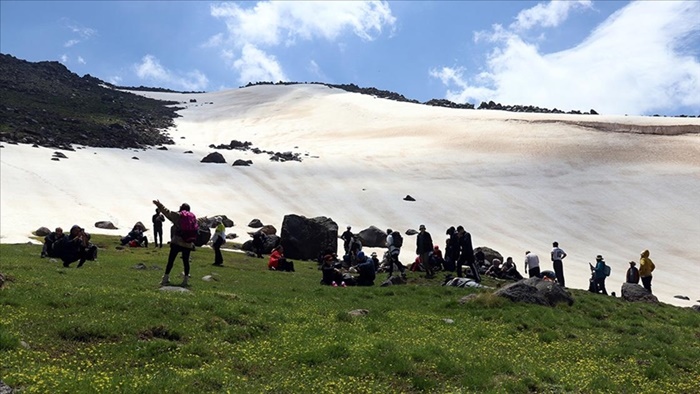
<point x="255" y="223"/>
<point x="242" y="163"/>
<point x="210" y="221"/>
<point x="636" y="293"/>
<point x="268" y="229"/>
<point x="106" y="225"/>
<point x="304" y="238"/>
<point x="42" y="231"/>
<point x="270" y="243"/>
<point x="409" y="198"/>
<point x="372" y="237"/>
<point x="411" y="231"/>
<point x="535" y="291"/>
<point x="214" y="157"/>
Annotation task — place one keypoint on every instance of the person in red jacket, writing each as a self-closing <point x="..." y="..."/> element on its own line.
<point x="278" y="262"/>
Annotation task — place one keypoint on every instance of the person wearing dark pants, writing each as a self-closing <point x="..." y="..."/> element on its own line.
<point x="557" y="256"/>
<point x="73" y="247"/>
<point x="532" y="264"/>
<point x="181" y="240"/>
<point x="157" y="220"/>
<point x="466" y="255"/>
<point x="599" y="275"/>
<point x="646" y="267"/>
<point x="394" y="251"/>
<point x="424" y="248"/>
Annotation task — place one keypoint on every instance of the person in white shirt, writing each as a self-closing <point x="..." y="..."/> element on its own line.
<point x="394" y="250"/>
<point x="532" y="264"/>
<point x="557" y="256"/>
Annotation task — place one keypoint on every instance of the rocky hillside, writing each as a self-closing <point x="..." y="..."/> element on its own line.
<point x="45" y="104"/>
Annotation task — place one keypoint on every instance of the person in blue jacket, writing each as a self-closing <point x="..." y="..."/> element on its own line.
<point x="600" y="275"/>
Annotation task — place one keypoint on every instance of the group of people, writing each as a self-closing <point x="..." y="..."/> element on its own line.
<point x="75" y="246"/>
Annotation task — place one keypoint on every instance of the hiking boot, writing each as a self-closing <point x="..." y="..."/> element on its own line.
<point x="342" y="284"/>
<point x="165" y="281"/>
<point x="185" y="279"/>
<point x="334" y="284"/>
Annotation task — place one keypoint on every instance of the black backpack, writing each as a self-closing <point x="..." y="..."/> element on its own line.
<point x="398" y="239"/>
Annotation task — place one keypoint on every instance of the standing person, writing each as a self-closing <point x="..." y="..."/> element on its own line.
<point x="557" y="256"/>
<point x="632" y="274"/>
<point x="158" y="220"/>
<point x="219" y="239"/>
<point x="451" y="249"/>
<point x="347" y="237"/>
<point x="183" y="233"/>
<point x="424" y="247"/>
<point x="259" y="238"/>
<point x="600" y="275"/>
<point x="466" y="253"/>
<point x="646" y="267"/>
<point x="394" y="241"/>
<point x="532" y="262"/>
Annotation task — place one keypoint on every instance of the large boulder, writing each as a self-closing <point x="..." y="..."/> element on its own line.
<point x="535" y="291"/>
<point x="636" y="293"/>
<point x="214" y="157"/>
<point x="268" y="229"/>
<point x="305" y="239"/>
<point x="106" y="225"/>
<point x="255" y="223"/>
<point x="372" y="237"/>
<point x="42" y="232"/>
<point x="210" y="221"/>
<point x="489" y="254"/>
<point x="270" y="243"/>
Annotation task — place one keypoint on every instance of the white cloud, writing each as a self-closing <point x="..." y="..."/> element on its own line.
<point x="314" y="69"/>
<point x="64" y="58"/>
<point x="255" y="65"/>
<point x="81" y="60"/>
<point x="70" y="43"/>
<point x="635" y="62"/>
<point x="255" y="31"/>
<point x="151" y="70"/>
<point x="115" y="80"/>
<point x="84" y="32"/>
<point x="547" y="14"/>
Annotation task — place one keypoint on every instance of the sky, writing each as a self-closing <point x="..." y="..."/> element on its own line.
<point x="617" y="57"/>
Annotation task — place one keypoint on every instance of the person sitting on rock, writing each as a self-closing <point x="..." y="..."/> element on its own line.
<point x="49" y="242"/>
<point x="136" y="238"/>
<point x="278" y="262"/>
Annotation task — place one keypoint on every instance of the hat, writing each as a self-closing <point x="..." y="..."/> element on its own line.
<point x="599" y="257"/>
<point x="632" y="263"/>
<point x="421" y="227"/>
<point x="349" y="227"/>
<point x="373" y="254"/>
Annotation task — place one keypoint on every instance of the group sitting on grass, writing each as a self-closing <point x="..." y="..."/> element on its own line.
<point x="136" y="237"/>
<point x="69" y="248"/>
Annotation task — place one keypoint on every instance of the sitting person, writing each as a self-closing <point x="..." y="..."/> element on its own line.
<point x="332" y="276"/>
<point x="365" y="267"/>
<point x="278" y="262"/>
<point x="436" y="259"/>
<point x="49" y="242"/>
<point x="494" y="269"/>
<point x="509" y="270"/>
<point x="376" y="261"/>
<point x="136" y="238"/>
<point x="75" y="247"/>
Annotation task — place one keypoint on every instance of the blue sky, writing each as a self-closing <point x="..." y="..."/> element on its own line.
<point x="617" y="57"/>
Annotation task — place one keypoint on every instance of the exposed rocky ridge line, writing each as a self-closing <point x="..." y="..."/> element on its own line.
<point x="612" y="127"/>
<point x="46" y="104"/>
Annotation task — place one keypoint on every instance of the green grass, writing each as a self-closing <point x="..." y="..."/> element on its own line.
<point x="107" y="328"/>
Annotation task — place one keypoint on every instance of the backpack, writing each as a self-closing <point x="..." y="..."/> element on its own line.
<point x="606" y="270"/>
<point x="203" y="236"/>
<point x="188" y="226"/>
<point x="398" y="239"/>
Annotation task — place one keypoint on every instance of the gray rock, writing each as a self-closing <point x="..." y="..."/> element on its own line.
<point x="535" y="291"/>
<point x="231" y="236"/>
<point x="60" y="155"/>
<point x="2" y="280"/>
<point x="467" y="298"/>
<point x="411" y="231"/>
<point x="448" y="321"/>
<point x="140" y="266"/>
<point x="372" y="237"/>
<point x="250" y="254"/>
<point x="409" y="198"/>
<point x="25" y="345"/>
<point x="270" y="243"/>
<point x="42" y="231"/>
<point x="242" y="163"/>
<point x="209" y="278"/>
<point x="696" y="308"/>
<point x="5" y="389"/>
<point x="394" y="280"/>
<point x="210" y="221"/>
<point x="305" y="238"/>
<point x="489" y="254"/>
<point x="268" y="229"/>
<point x="214" y="157"/>
<point x="682" y="297"/>
<point x="358" y="312"/>
<point x="636" y="293"/>
<point x="134" y="158"/>
<point x="106" y="225"/>
<point x="174" y="289"/>
<point x="255" y="223"/>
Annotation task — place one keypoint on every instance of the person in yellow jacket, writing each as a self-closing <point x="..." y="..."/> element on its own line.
<point x="646" y="267"/>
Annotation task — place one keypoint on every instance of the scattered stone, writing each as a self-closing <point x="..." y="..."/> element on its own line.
<point x="411" y="231"/>
<point x="682" y="297"/>
<point x="140" y="266"/>
<point x="255" y="223"/>
<point x="55" y="159"/>
<point x="696" y="308"/>
<point x="60" y="155"/>
<point x="633" y="292"/>
<point x="358" y="312"/>
<point x="188" y="151"/>
<point x="210" y="221"/>
<point x="214" y="157"/>
<point x="53" y="261"/>
<point x="5" y="389"/>
<point x="231" y="236"/>
<point x="535" y="291"/>
<point x="409" y="198"/>
<point x="467" y="298"/>
<point x="448" y="321"/>
<point x="42" y="231"/>
<point x="24" y="345"/>
<point x="162" y="148"/>
<point x="106" y="225"/>
<point x="244" y="163"/>
<point x="372" y="237"/>
<point x="35" y="146"/>
<point x="175" y="289"/>
<point x="394" y="280"/>
<point x="250" y="254"/>
<point x="209" y="278"/>
<point x="2" y="280"/>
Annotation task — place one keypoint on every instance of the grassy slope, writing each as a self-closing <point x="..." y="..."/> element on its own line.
<point x="107" y="328"/>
